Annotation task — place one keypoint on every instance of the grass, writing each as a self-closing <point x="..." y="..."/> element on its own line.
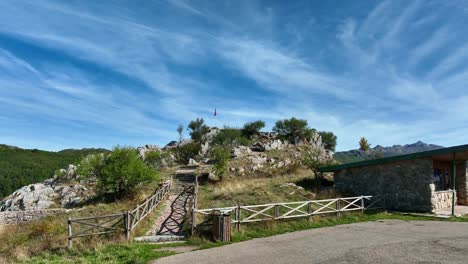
<point x="49" y="235"/>
<point x="249" y="191"/>
<point x="123" y="252"/>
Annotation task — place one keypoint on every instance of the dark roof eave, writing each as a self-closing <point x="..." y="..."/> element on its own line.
<point x="418" y="155"/>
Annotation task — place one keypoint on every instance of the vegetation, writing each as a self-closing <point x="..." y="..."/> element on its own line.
<point x="20" y="167"/>
<point x="248" y="191"/>
<point x="118" y="173"/>
<point x="198" y="129"/>
<point x="252" y="128"/>
<point x="364" y="144"/>
<point x="156" y="159"/>
<point x="313" y="162"/>
<point x="220" y="157"/>
<point x="230" y="137"/>
<point x="329" y="140"/>
<point x="180" y="131"/>
<point x="294" y="130"/>
<point x="187" y="151"/>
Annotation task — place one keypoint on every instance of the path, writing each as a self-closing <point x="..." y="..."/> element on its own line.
<point x="169" y="226"/>
<point x="389" y="241"/>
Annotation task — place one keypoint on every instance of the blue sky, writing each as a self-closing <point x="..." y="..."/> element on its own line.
<point x="79" y="74"/>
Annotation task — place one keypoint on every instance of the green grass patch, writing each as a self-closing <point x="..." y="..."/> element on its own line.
<point x="131" y="253"/>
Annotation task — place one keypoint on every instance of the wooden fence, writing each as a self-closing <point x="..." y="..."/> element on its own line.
<point x="278" y="211"/>
<point x="193" y="208"/>
<point x="115" y="223"/>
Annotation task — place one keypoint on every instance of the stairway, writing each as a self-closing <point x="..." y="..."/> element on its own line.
<point x="169" y="227"/>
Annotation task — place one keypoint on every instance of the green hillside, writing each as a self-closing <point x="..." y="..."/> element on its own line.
<point x="19" y="167"/>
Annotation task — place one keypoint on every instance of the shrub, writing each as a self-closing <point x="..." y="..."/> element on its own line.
<point x="198" y="129"/>
<point x="118" y="173"/>
<point x="156" y="159"/>
<point x="188" y="151"/>
<point x="252" y="128"/>
<point x="329" y="140"/>
<point x="220" y="156"/>
<point x="294" y="130"/>
<point x="230" y="137"/>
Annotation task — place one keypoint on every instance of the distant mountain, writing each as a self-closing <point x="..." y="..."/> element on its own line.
<point x="19" y="167"/>
<point x="381" y="152"/>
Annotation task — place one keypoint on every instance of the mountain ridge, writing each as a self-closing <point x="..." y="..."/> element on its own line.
<point x="379" y="151"/>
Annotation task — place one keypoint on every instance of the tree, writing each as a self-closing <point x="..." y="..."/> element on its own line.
<point x="180" y="130"/>
<point x="220" y="156"/>
<point x="329" y="140"/>
<point x="187" y="151"/>
<point x="198" y="129"/>
<point x="252" y="128"/>
<point x="294" y="130"/>
<point x="230" y="137"/>
<point x="364" y="144"/>
<point x="118" y="173"/>
<point x="314" y="161"/>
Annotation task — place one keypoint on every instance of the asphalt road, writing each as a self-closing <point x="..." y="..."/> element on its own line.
<point x="389" y="241"/>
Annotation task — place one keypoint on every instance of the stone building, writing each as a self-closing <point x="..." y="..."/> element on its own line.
<point x="423" y="182"/>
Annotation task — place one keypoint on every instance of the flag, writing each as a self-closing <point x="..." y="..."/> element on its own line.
<point x="215" y="114"/>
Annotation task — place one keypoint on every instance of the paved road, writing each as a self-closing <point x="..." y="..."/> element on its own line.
<point x="389" y="241"/>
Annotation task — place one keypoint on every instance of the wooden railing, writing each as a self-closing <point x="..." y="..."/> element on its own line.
<point x="115" y="223"/>
<point x="278" y="211"/>
<point x="193" y="208"/>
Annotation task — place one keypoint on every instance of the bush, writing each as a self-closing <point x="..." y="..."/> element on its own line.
<point x="294" y="130"/>
<point x="118" y="173"/>
<point x="188" y="151"/>
<point x="230" y="137"/>
<point x="329" y="140"/>
<point x="198" y="129"/>
<point x="156" y="159"/>
<point x="220" y="156"/>
<point x="252" y="128"/>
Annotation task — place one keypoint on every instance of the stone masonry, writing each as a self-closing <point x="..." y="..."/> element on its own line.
<point x="406" y="184"/>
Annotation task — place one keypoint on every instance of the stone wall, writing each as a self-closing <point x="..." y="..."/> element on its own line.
<point x="406" y="183"/>
<point x="19" y="217"/>
<point x="461" y="184"/>
<point x="442" y="199"/>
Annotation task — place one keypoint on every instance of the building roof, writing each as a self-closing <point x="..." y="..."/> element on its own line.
<point x="445" y="154"/>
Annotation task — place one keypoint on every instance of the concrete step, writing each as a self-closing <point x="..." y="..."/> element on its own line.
<point x="159" y="238"/>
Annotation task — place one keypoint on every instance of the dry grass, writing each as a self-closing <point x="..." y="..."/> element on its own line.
<point x="250" y="191"/>
<point x="49" y="235"/>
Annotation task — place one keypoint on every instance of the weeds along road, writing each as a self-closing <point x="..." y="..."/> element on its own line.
<point x="388" y="241"/>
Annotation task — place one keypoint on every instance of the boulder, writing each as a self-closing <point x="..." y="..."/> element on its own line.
<point x="192" y="162"/>
<point x="240" y="151"/>
<point x="147" y="148"/>
<point x="258" y="146"/>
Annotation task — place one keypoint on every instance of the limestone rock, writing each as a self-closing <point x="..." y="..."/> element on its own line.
<point x="240" y="151"/>
<point x="192" y="162"/>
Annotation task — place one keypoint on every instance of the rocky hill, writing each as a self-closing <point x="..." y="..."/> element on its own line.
<point x="380" y="151"/>
<point x="20" y="167"/>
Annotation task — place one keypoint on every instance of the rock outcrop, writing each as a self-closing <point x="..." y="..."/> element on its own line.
<point x="64" y="190"/>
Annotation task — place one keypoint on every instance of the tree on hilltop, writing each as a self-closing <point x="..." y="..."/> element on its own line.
<point x="252" y="128"/>
<point x="198" y="129"/>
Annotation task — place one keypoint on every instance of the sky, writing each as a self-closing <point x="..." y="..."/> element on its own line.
<point x="77" y="74"/>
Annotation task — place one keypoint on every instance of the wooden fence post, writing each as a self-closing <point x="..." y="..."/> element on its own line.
<point x="362" y="204"/>
<point x="127" y="224"/>
<point x="238" y="216"/>
<point x="70" y="234"/>
<point x="309" y="210"/>
<point x="338" y="207"/>
<point x="277" y="212"/>
<point x="194" y="221"/>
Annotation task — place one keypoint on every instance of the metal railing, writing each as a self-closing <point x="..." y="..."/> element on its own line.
<point x="289" y="210"/>
<point x="114" y="223"/>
